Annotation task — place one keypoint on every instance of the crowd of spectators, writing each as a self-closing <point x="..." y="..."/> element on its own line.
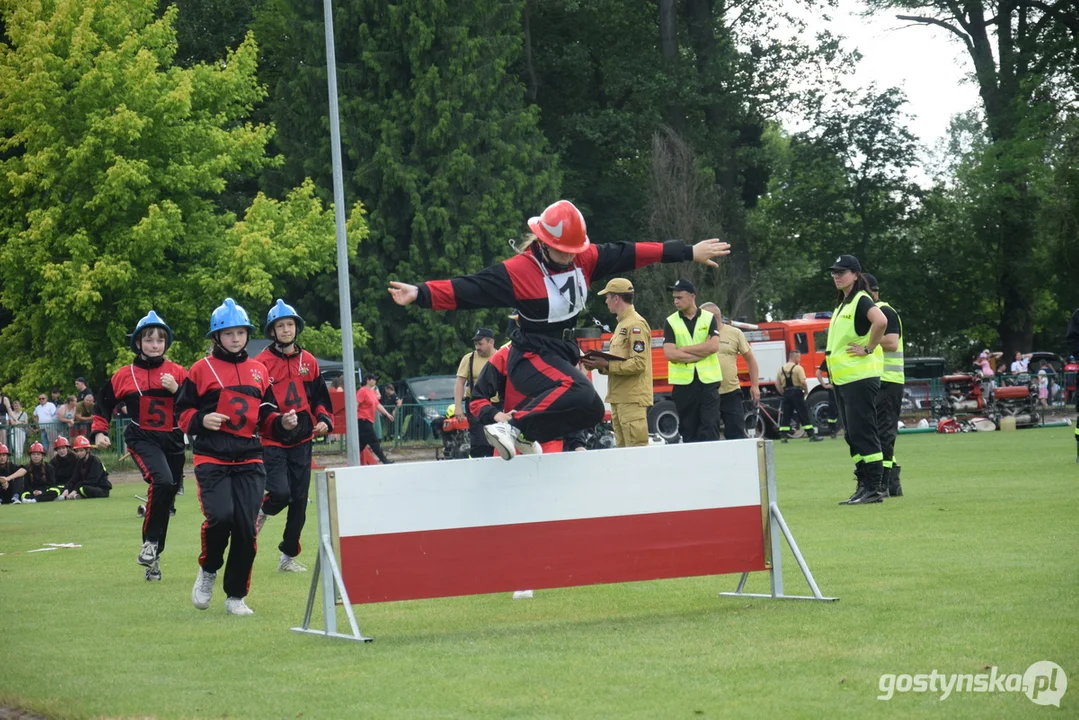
<point x="54" y="415"/>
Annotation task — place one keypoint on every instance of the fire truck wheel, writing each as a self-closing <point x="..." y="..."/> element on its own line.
<point x="663" y="420"/>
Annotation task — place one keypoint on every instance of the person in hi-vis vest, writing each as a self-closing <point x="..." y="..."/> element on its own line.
<point x="890" y="397"/>
<point x="691" y="344"/>
<point x="854" y="367"/>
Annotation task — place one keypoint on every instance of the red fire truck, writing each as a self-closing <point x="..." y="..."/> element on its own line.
<point x="771" y="342"/>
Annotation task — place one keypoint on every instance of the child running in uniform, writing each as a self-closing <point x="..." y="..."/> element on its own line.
<point x="297" y="385"/>
<point x="225" y="403"/>
<point x="147" y="387"/>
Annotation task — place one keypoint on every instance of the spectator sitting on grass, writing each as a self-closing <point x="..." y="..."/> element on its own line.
<point x="10" y="489"/>
<point x="40" y="482"/>
<point x="63" y="462"/>
<point x="90" y="479"/>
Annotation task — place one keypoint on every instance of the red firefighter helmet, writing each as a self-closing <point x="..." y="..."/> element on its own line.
<point x="4" y="450"/>
<point x="82" y="443"/>
<point x="37" y="448"/>
<point x="949" y="425"/>
<point x="561" y="226"/>
<point x="60" y="442"/>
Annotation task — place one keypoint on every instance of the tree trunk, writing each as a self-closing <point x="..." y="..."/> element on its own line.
<point x="533" y="88"/>
<point x="723" y="142"/>
<point x="674" y="114"/>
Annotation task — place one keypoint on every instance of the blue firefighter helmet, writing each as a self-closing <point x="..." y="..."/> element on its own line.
<point x="228" y="315"/>
<point x="280" y="311"/>
<point x="151" y="320"/>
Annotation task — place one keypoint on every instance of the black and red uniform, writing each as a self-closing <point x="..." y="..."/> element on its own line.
<point x="14" y="486"/>
<point x="297" y="385"/>
<point x="90" y="478"/>
<point x="153" y="436"/>
<point x="492" y="392"/>
<point x="228" y="462"/>
<point x="40" y="478"/>
<point x="543" y="357"/>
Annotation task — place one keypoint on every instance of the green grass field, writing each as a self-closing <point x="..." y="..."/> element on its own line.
<point x="975" y="567"/>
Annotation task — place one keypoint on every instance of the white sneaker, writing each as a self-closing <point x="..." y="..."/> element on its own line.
<point x="508" y="441"/>
<point x="524" y="447"/>
<point x="237" y="606"/>
<point x="16" y="500"/>
<point x="60" y="497"/>
<point x="289" y="564"/>
<point x="522" y="595"/>
<point x="501" y="437"/>
<point x="148" y="554"/>
<point x="153" y="572"/>
<point x="203" y="592"/>
<point x="260" y="520"/>
<point x="30" y="500"/>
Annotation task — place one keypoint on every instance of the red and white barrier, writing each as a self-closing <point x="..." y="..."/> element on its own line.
<point x="423" y="530"/>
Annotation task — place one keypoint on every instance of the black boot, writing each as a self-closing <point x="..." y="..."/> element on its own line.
<point x="895" y="488"/>
<point x="858" y="491"/>
<point x="875" y="486"/>
<point x="814" y="437"/>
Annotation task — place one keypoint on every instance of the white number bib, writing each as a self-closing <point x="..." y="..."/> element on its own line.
<point x="566" y="294"/>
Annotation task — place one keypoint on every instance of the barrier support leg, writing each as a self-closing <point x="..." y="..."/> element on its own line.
<point x="778" y="527"/>
<point x="332" y="583"/>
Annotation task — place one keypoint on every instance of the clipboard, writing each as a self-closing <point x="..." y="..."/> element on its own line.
<point x="599" y="354"/>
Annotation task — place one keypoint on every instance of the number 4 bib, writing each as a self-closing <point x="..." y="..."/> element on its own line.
<point x="290" y="395"/>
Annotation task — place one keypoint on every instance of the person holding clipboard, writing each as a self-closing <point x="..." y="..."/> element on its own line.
<point x="628" y="366"/>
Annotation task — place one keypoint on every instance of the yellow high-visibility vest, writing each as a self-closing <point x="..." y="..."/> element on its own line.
<point x="893" y="359"/>
<point x="707" y="369"/>
<point x="843" y="367"/>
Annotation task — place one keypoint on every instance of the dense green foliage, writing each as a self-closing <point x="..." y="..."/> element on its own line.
<point x="112" y="158"/>
<point x="157" y="153"/>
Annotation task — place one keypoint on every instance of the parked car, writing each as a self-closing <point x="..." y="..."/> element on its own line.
<point x="433" y="394"/>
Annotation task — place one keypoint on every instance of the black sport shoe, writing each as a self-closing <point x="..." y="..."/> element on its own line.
<point x="857" y="494"/>
<point x="816" y="438"/>
<point x="387" y="461"/>
<point x="867" y="498"/>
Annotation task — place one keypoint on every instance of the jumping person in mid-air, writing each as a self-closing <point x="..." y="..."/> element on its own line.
<point x="547" y="281"/>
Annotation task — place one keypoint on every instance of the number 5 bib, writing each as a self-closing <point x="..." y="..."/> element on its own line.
<point x="242" y="411"/>
<point x="156" y="413"/>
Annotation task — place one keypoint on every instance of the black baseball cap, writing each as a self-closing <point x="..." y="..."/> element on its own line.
<point x="846" y="262"/>
<point x="683" y="286"/>
<point x="871" y="280"/>
<point x="371" y="376"/>
<point x="81" y="379"/>
<point x="483" y="333"/>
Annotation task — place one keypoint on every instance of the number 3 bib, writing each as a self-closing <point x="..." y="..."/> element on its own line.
<point x="242" y="411"/>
